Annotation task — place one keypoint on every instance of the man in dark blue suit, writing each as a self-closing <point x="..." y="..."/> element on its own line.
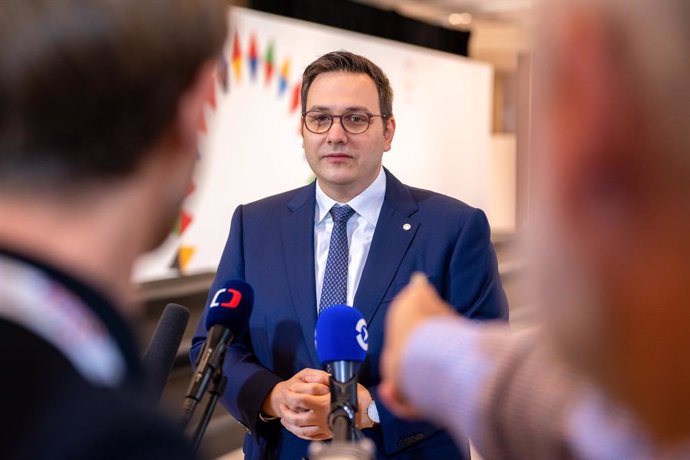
<point x="353" y="236"/>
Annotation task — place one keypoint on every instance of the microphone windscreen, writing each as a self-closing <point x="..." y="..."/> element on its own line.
<point x="341" y="335"/>
<point x="231" y="306"/>
<point x="160" y="355"/>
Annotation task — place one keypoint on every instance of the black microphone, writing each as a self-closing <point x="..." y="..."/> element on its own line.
<point x="341" y="344"/>
<point x="227" y="318"/>
<point x="159" y="356"/>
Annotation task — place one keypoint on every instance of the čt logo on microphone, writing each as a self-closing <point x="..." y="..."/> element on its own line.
<point x="228" y="298"/>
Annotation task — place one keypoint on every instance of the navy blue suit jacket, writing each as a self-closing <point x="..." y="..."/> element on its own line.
<point x="271" y="246"/>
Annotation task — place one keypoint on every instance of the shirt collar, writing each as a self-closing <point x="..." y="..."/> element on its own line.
<point x="367" y="204"/>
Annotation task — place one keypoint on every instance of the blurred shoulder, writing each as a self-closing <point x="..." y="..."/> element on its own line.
<point x="108" y="423"/>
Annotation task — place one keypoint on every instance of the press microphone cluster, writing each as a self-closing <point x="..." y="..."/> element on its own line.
<point x="341" y="338"/>
<point x="227" y="318"/>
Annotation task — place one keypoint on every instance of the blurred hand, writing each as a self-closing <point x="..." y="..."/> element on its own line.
<point x="415" y="304"/>
<point x="302" y="403"/>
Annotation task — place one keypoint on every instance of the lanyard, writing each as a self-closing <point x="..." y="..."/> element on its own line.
<point x="34" y="301"/>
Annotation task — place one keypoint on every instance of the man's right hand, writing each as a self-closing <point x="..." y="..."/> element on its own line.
<point x="302" y="403"/>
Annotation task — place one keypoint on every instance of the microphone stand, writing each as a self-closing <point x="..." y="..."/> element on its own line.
<point x="218" y="381"/>
<point x="217" y="389"/>
<point x="344" y="410"/>
<point x="348" y="441"/>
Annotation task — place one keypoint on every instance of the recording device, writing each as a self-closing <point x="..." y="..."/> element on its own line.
<point x="341" y="338"/>
<point x="341" y="344"/>
<point x="159" y="356"/>
<point x="227" y="318"/>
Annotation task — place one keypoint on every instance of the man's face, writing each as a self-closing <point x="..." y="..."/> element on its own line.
<point x="345" y="164"/>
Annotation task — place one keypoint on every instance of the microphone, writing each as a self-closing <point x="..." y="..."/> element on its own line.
<point x="227" y="318"/>
<point x="341" y="342"/>
<point x="159" y="356"/>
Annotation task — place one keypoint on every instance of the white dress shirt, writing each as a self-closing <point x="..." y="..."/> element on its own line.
<point x="360" y="231"/>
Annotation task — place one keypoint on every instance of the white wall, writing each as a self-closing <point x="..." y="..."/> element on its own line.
<point x="503" y="183"/>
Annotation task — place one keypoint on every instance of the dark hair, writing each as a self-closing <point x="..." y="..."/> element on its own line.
<point x="344" y="61"/>
<point x="87" y="86"/>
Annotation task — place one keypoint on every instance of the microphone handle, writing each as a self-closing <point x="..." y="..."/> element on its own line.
<point x="343" y="407"/>
<point x="194" y="395"/>
<point x="210" y="361"/>
<point x="344" y="393"/>
<point x="343" y="371"/>
<point x="342" y="426"/>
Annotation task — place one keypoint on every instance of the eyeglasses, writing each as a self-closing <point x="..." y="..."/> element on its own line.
<point x="319" y="122"/>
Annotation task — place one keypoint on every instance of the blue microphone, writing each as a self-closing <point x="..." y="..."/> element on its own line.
<point x="227" y="318"/>
<point x="341" y="338"/>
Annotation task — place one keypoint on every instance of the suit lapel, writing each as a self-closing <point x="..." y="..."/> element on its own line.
<point x="298" y="243"/>
<point x="394" y="233"/>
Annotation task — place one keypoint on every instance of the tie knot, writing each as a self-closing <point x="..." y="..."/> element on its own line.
<point x="341" y="213"/>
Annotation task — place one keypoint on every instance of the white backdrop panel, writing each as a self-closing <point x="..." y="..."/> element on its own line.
<point x="442" y="106"/>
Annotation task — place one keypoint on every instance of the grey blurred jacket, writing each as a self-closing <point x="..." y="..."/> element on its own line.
<point x="514" y="397"/>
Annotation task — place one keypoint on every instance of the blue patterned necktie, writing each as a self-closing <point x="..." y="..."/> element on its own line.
<point x="334" y="290"/>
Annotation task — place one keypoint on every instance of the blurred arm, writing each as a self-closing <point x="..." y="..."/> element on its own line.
<point x="506" y="392"/>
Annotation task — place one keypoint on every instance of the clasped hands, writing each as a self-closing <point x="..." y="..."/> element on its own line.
<point x="303" y="403"/>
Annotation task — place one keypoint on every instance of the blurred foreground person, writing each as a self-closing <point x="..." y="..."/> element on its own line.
<point x="608" y="376"/>
<point x="100" y="102"/>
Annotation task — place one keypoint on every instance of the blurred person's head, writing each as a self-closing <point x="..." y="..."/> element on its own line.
<point x="101" y="101"/>
<point x="347" y="105"/>
<point x="612" y="134"/>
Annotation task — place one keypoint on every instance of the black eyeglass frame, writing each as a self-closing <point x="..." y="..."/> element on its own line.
<point x="333" y="117"/>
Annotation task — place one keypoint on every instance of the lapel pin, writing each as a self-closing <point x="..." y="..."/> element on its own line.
<point x="406" y="227"/>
